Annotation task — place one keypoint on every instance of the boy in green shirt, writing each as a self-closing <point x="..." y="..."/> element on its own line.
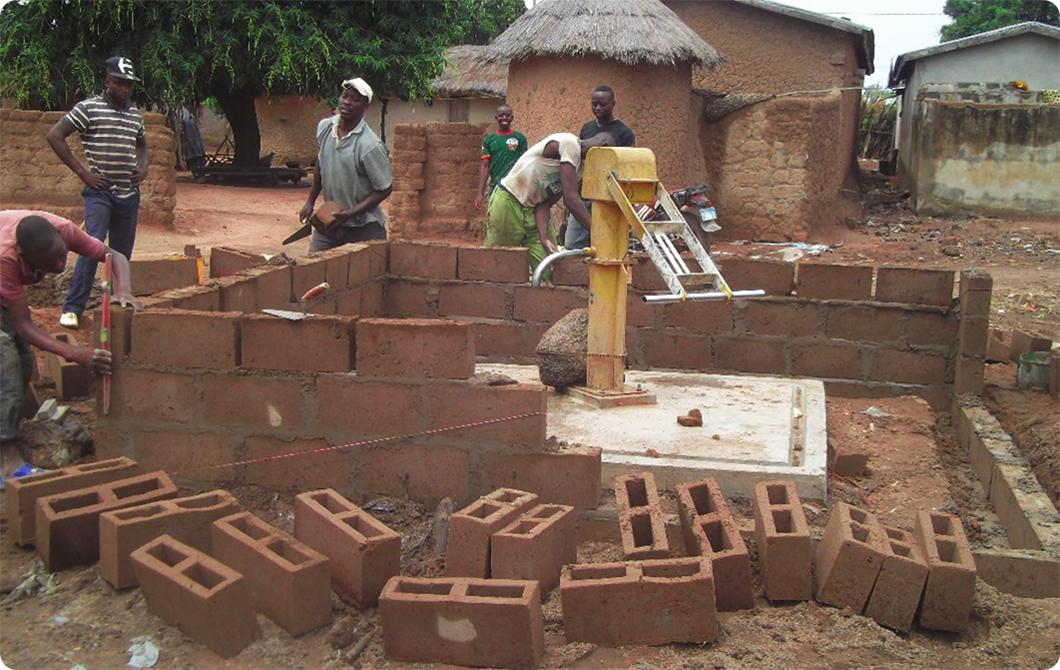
<point x="500" y="151"/>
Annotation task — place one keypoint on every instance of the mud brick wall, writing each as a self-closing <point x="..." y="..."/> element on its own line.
<point x="435" y="168"/>
<point x="865" y="331"/>
<point x="33" y="177"/>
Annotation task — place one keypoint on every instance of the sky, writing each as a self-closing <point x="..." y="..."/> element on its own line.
<point x="899" y="25"/>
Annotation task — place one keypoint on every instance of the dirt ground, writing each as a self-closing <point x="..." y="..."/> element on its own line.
<point x="913" y="462"/>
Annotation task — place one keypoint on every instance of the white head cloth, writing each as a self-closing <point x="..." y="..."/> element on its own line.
<point x="360" y="85"/>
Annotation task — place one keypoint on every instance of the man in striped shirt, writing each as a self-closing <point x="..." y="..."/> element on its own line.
<point x="115" y="143"/>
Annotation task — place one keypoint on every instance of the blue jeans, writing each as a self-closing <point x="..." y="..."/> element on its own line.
<point x="105" y="215"/>
<point x="576" y="236"/>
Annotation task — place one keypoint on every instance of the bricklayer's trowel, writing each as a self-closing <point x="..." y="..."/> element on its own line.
<point x="311" y="294"/>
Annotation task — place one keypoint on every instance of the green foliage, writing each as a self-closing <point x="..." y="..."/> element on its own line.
<point x="971" y="17"/>
<point x="479" y="21"/>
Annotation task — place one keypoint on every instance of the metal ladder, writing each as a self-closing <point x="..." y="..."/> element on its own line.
<point x="684" y="283"/>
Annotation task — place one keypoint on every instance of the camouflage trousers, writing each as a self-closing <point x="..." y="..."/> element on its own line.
<point x="16" y="367"/>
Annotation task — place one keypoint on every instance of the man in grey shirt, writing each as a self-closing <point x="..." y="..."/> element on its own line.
<point x="353" y="170"/>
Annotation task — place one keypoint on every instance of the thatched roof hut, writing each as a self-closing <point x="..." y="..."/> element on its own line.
<point x="627" y="31"/>
<point x="467" y="75"/>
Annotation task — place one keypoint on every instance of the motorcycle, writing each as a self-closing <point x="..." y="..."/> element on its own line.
<point x="698" y="210"/>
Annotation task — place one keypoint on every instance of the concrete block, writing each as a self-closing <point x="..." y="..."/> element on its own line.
<point x="150" y="276"/>
<point x="571" y="272"/>
<point x="865" y="323"/>
<point x="68" y="523"/>
<point x="363" y="552"/>
<point x="535" y="546"/>
<point x="225" y="261"/>
<point x="787" y="318"/>
<point x="849" y="557"/>
<point x="742" y="274"/>
<point x="1023" y="342"/>
<point x="648" y="602"/>
<point x="710" y="530"/>
<point x="186" y="520"/>
<point x="71" y="380"/>
<point x="783" y="539"/>
<point x="547" y="304"/>
<point x="475" y="622"/>
<point x="289" y="582"/>
<point x="204" y="298"/>
<point x="950" y="590"/>
<point x="23" y="493"/>
<point x="493" y="264"/>
<point x="468" y="549"/>
<point x="430" y="261"/>
<point x="1020" y="572"/>
<point x="308" y="272"/>
<point x="915" y="286"/>
<point x="822" y="281"/>
<point x="895" y="598"/>
<point x="406" y="299"/>
<point x="416" y="348"/>
<point x="570" y="477"/>
<point x="640" y="517"/>
<point x="314" y="344"/>
<point x="186" y="338"/>
<point x="702" y="317"/>
<point x="464" y="407"/>
<point x="473" y="300"/>
<point x="201" y="596"/>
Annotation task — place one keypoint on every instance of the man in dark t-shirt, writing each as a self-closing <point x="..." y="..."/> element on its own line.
<point x="603" y="105"/>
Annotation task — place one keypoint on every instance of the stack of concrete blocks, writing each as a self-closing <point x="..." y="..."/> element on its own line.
<point x="186" y="520"/>
<point x="784" y="550"/>
<point x="476" y="622"/>
<point x="849" y="558"/>
<point x="900" y="584"/>
<point x="201" y="596"/>
<point x="289" y="582"/>
<point x="467" y="552"/>
<point x="974" y="331"/>
<point x="640" y="517"/>
<point x="950" y="590"/>
<point x="24" y="492"/>
<point x="67" y="525"/>
<point x="535" y="546"/>
<point x="710" y="530"/>
<point x="363" y="552"/>
<point x="71" y="380"/>
<point x="643" y="602"/>
<point x="407" y="156"/>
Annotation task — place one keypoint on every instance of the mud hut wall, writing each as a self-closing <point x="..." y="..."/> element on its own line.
<point x="33" y="177"/>
<point x="435" y="168"/>
<point x="552" y="95"/>
<point x="288" y="125"/>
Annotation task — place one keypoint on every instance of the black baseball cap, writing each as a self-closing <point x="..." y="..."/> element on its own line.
<point x="121" y="67"/>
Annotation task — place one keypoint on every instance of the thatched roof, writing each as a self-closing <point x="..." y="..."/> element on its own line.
<point x="628" y="31"/>
<point x="468" y="76"/>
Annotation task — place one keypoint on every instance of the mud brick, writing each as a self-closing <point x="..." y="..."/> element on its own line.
<point x="709" y="530"/>
<point x="547" y="304"/>
<point x="783" y="539"/>
<point x="22" y="493"/>
<point x="430" y="261"/>
<point x="460" y="406"/>
<point x="711" y="316"/>
<point x="474" y="300"/>
<point x="865" y="323"/>
<point x="151" y="276"/>
<point x="950" y="590"/>
<point x="820" y="281"/>
<point x="416" y="348"/>
<point x="495" y="264"/>
<point x="363" y="552"/>
<point x="535" y="546"/>
<point x="915" y="286"/>
<point x="417" y="472"/>
<point x="648" y="602"/>
<point x="371" y="407"/>
<point x="289" y="582"/>
<point x="314" y="344"/>
<point x="225" y="261"/>
<point x="404" y="299"/>
<point x="900" y="583"/>
<point x="1023" y="342"/>
<point x="468" y="551"/>
<point x="570" y="478"/>
<point x="849" y="557"/>
<point x="186" y="338"/>
<point x="789" y="319"/>
<point x="475" y="622"/>
<point x="254" y="400"/>
<point x="201" y="596"/>
<point x="186" y="520"/>
<point x="908" y="367"/>
<point x="68" y="523"/>
<point x="571" y="272"/>
<point x="831" y="360"/>
<point x="640" y="517"/>
<point x="997" y="349"/>
<point x="774" y="278"/>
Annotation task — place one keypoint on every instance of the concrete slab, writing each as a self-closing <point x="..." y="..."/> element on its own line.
<point x="755" y="428"/>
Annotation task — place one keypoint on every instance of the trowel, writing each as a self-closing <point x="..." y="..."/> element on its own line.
<point x="311" y="294"/>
